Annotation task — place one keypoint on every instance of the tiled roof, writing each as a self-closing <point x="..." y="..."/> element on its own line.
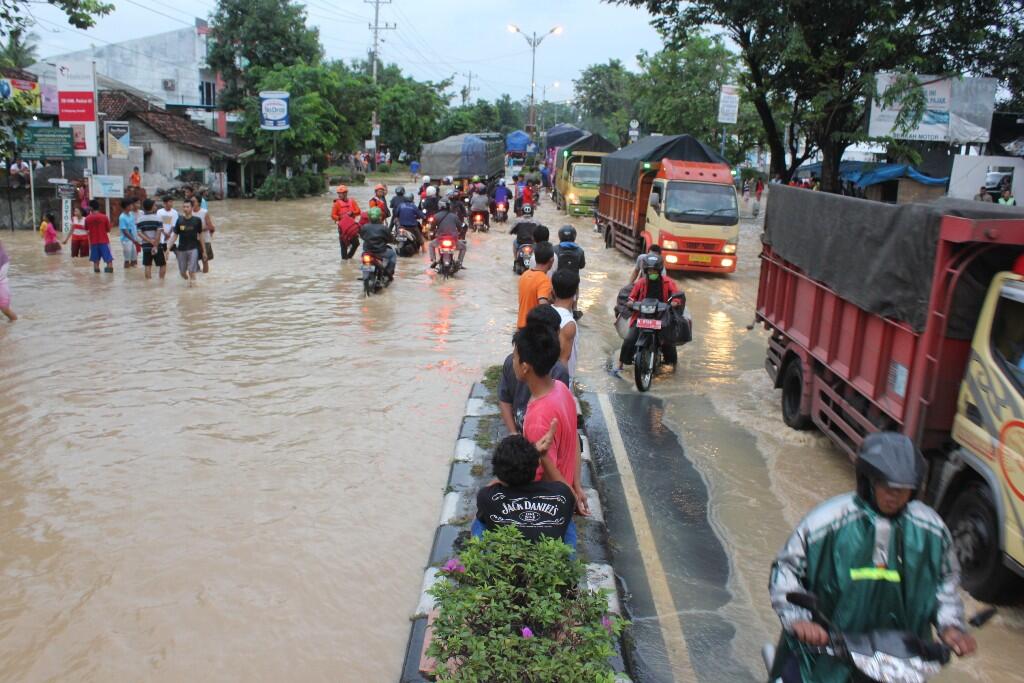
<point x="117" y="104"/>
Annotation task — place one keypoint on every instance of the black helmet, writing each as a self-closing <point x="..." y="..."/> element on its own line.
<point x="567" y="233"/>
<point x="400" y="191"/>
<point x="890" y="458"/>
<point x="528" y="210"/>
<point x="653" y="262"/>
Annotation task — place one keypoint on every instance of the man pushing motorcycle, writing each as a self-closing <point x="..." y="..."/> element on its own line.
<point x="874" y="559"/>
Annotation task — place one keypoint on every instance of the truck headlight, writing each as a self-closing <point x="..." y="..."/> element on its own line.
<point x="729" y="249"/>
<point x="572" y="198"/>
<point x="669" y="244"/>
<point x="727" y="263"/>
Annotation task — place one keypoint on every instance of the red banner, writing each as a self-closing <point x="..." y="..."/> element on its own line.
<point x="76" y="106"/>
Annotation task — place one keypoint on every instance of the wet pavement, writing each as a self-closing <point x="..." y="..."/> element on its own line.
<point x="242" y="479"/>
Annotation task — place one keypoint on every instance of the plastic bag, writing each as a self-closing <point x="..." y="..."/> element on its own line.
<point x="677" y="326"/>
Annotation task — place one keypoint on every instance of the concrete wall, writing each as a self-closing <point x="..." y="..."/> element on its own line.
<point x="969" y="175"/>
<point x="144" y="63"/>
<point x="16" y="202"/>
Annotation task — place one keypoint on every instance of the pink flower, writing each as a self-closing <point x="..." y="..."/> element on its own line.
<point x="454" y="565"/>
<point x="527" y="633"/>
<point x="607" y="623"/>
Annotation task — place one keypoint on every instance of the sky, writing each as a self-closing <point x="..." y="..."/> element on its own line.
<point x="433" y="39"/>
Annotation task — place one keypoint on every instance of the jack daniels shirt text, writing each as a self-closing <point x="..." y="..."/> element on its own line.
<point x="541" y="508"/>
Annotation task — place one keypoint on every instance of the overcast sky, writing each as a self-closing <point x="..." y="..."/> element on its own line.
<point x="434" y="39"/>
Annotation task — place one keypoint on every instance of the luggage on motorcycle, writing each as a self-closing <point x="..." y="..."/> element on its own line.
<point x="620" y="301"/>
<point x="622" y="325"/>
<point x="677" y="326"/>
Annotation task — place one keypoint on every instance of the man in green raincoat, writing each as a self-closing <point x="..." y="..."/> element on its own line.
<point x="875" y="559"/>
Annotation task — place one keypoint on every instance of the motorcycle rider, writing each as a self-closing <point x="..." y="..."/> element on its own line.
<point x="447" y="224"/>
<point x="652" y="286"/>
<point x="429" y="202"/>
<point x="570" y="255"/>
<point x="396" y="203"/>
<point x="502" y="195"/>
<point x="517" y="191"/>
<point x="423" y="187"/>
<point x="524" y="234"/>
<point x="408" y="217"/>
<point x="875" y="558"/>
<point x="375" y="236"/>
<point x="480" y="203"/>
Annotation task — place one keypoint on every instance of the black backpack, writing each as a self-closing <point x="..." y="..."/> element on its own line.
<point x="570" y="258"/>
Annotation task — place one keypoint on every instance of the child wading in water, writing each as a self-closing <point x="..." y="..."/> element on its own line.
<point x="51" y="245"/>
<point x="5" y="288"/>
<point x="79" y="236"/>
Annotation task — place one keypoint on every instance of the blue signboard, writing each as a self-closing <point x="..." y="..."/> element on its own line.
<point x="274" y="110"/>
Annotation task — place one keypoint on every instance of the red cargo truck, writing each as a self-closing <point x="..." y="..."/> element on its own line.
<point x="909" y="319"/>
<point x="675" y="192"/>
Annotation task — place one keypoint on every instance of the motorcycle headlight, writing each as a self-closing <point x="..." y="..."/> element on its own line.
<point x="647" y="309"/>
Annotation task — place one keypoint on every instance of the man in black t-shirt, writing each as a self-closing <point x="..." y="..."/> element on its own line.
<point x="536" y="508"/>
<point x="188" y="233"/>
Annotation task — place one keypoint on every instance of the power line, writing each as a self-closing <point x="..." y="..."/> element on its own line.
<point x="377" y="27"/>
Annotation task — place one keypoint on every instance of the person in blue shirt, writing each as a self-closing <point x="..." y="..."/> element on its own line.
<point x="408" y="216"/>
<point x="129" y="233"/>
<point x="545" y="177"/>
<point x="502" y="194"/>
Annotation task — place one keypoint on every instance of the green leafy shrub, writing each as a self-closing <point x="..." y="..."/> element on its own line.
<point x="299" y="185"/>
<point x="512" y="610"/>
<point x="344" y="174"/>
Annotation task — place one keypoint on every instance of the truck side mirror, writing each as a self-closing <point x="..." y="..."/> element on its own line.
<point x="655" y="202"/>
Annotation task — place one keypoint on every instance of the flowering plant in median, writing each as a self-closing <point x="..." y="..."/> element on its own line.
<point x="512" y="610"/>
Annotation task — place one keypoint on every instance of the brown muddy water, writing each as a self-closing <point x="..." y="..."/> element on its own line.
<point x="241" y="481"/>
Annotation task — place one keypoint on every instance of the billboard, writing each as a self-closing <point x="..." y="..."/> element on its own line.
<point x="46" y="143"/>
<point x="76" y="104"/>
<point x="116" y="139"/>
<point x="26" y="92"/>
<point x="274" y="110"/>
<point x="729" y="104"/>
<point x="957" y="110"/>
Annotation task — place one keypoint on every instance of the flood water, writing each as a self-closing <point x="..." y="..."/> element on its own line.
<point x="241" y="481"/>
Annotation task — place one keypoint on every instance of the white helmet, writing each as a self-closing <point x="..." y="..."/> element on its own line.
<point x="447" y="180"/>
<point x="426" y="179"/>
<point x="501" y="181"/>
<point x="432" y="191"/>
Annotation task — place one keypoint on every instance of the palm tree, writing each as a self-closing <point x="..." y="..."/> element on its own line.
<point x="19" y="50"/>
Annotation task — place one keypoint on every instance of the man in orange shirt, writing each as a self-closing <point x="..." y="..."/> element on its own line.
<point x="135" y="180"/>
<point x="534" y="284"/>
<point x="343" y="206"/>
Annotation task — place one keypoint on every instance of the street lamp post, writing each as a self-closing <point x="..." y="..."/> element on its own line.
<point x="544" y="99"/>
<point x="534" y="40"/>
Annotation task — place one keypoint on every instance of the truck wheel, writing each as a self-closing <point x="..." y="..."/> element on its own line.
<point x="792" y="395"/>
<point x="975" y="528"/>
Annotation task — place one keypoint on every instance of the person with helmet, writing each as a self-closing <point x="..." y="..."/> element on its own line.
<point x="874" y="558"/>
<point x="502" y="195"/>
<point x="447" y="224"/>
<point x="653" y="285"/>
<point x="408" y="216"/>
<point x="397" y="200"/>
<point x="379" y="200"/>
<point x="343" y="206"/>
<point x="375" y="236"/>
<point x="479" y="202"/>
<point x="424" y="187"/>
<point x="517" y="193"/>
<point x="347" y="216"/>
<point x="570" y="255"/>
<point x="429" y="202"/>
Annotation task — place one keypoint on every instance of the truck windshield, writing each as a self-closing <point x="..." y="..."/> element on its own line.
<point x="586" y="174"/>
<point x="701" y="203"/>
<point x="1008" y="333"/>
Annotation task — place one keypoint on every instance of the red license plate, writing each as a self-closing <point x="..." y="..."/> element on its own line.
<point x="648" y="324"/>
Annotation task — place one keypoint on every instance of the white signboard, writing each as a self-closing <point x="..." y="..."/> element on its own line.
<point x="371" y="144"/>
<point x="376" y="131"/>
<point x="274" y="110"/>
<point x="109" y="186"/>
<point x="934" y="124"/>
<point x="729" y="104"/>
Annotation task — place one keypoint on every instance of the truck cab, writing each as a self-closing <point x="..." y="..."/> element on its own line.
<point x="982" y="491"/>
<point x="577" y="182"/>
<point x="693" y="214"/>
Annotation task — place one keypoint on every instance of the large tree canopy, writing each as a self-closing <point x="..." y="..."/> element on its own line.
<point x="815" y="61"/>
<point x="258" y="33"/>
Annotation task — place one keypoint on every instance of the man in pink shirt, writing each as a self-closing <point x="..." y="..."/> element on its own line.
<point x="535" y="351"/>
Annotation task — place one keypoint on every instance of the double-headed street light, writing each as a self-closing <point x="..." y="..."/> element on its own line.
<point x="534" y="40"/>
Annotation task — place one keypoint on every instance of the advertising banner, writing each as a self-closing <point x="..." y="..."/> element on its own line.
<point x="116" y="139"/>
<point x="729" y="104"/>
<point x="274" y="110"/>
<point x="109" y="186"/>
<point x="76" y="105"/>
<point x="934" y="125"/>
<point x="47" y="143"/>
<point x="26" y="92"/>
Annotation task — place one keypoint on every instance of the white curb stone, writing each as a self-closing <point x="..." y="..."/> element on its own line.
<point x="427" y="602"/>
<point x="586" y="447"/>
<point x="478" y="407"/>
<point x="594" y="501"/>
<point x="450" y="507"/>
<point x="465" y="449"/>
<point x="602" y="576"/>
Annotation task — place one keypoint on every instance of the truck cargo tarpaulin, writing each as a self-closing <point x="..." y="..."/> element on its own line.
<point x="888" y="251"/>
<point x="464" y="156"/>
<point x="591" y="142"/>
<point x="562" y="134"/>
<point x="622" y="168"/>
<point x="517" y="142"/>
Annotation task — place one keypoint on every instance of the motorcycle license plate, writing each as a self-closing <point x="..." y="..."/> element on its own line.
<point x="700" y="258"/>
<point x="648" y="324"/>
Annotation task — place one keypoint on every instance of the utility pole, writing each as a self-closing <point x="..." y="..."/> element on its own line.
<point x="468" y="90"/>
<point x="376" y="27"/>
<point x="534" y="40"/>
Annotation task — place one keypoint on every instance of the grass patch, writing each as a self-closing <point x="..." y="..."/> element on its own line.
<point x="492" y="376"/>
<point x="485" y="432"/>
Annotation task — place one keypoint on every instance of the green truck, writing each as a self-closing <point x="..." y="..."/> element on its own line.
<point x="577" y="174"/>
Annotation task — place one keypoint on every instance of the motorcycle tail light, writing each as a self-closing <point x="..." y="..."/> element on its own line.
<point x="501" y="207"/>
<point x="367" y="259"/>
<point x="527" y="250"/>
<point x="448" y="244"/>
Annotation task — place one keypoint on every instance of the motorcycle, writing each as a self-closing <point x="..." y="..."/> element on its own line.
<point x="374" y="277"/>
<point x="647" y="355"/>
<point x="405" y="242"/>
<point x="447" y="265"/>
<point x="428" y="227"/>
<point x="501" y="212"/>
<point x="479" y="222"/>
<point x="523" y="255"/>
<point x="884" y="656"/>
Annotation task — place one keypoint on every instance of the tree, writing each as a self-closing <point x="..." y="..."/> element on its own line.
<point x="603" y="93"/>
<point x="19" y="50"/>
<point x="409" y="113"/>
<point x="817" y="61"/>
<point x="257" y="33"/>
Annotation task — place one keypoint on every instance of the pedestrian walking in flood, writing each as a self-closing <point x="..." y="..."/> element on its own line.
<point x="203" y="215"/>
<point x="191" y="245"/>
<point x="98" y="226"/>
<point x="168" y="219"/>
<point x="79" y="236"/>
<point x="153" y="251"/>
<point x="129" y="233"/>
<point x="51" y="245"/>
<point x="5" y="287"/>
